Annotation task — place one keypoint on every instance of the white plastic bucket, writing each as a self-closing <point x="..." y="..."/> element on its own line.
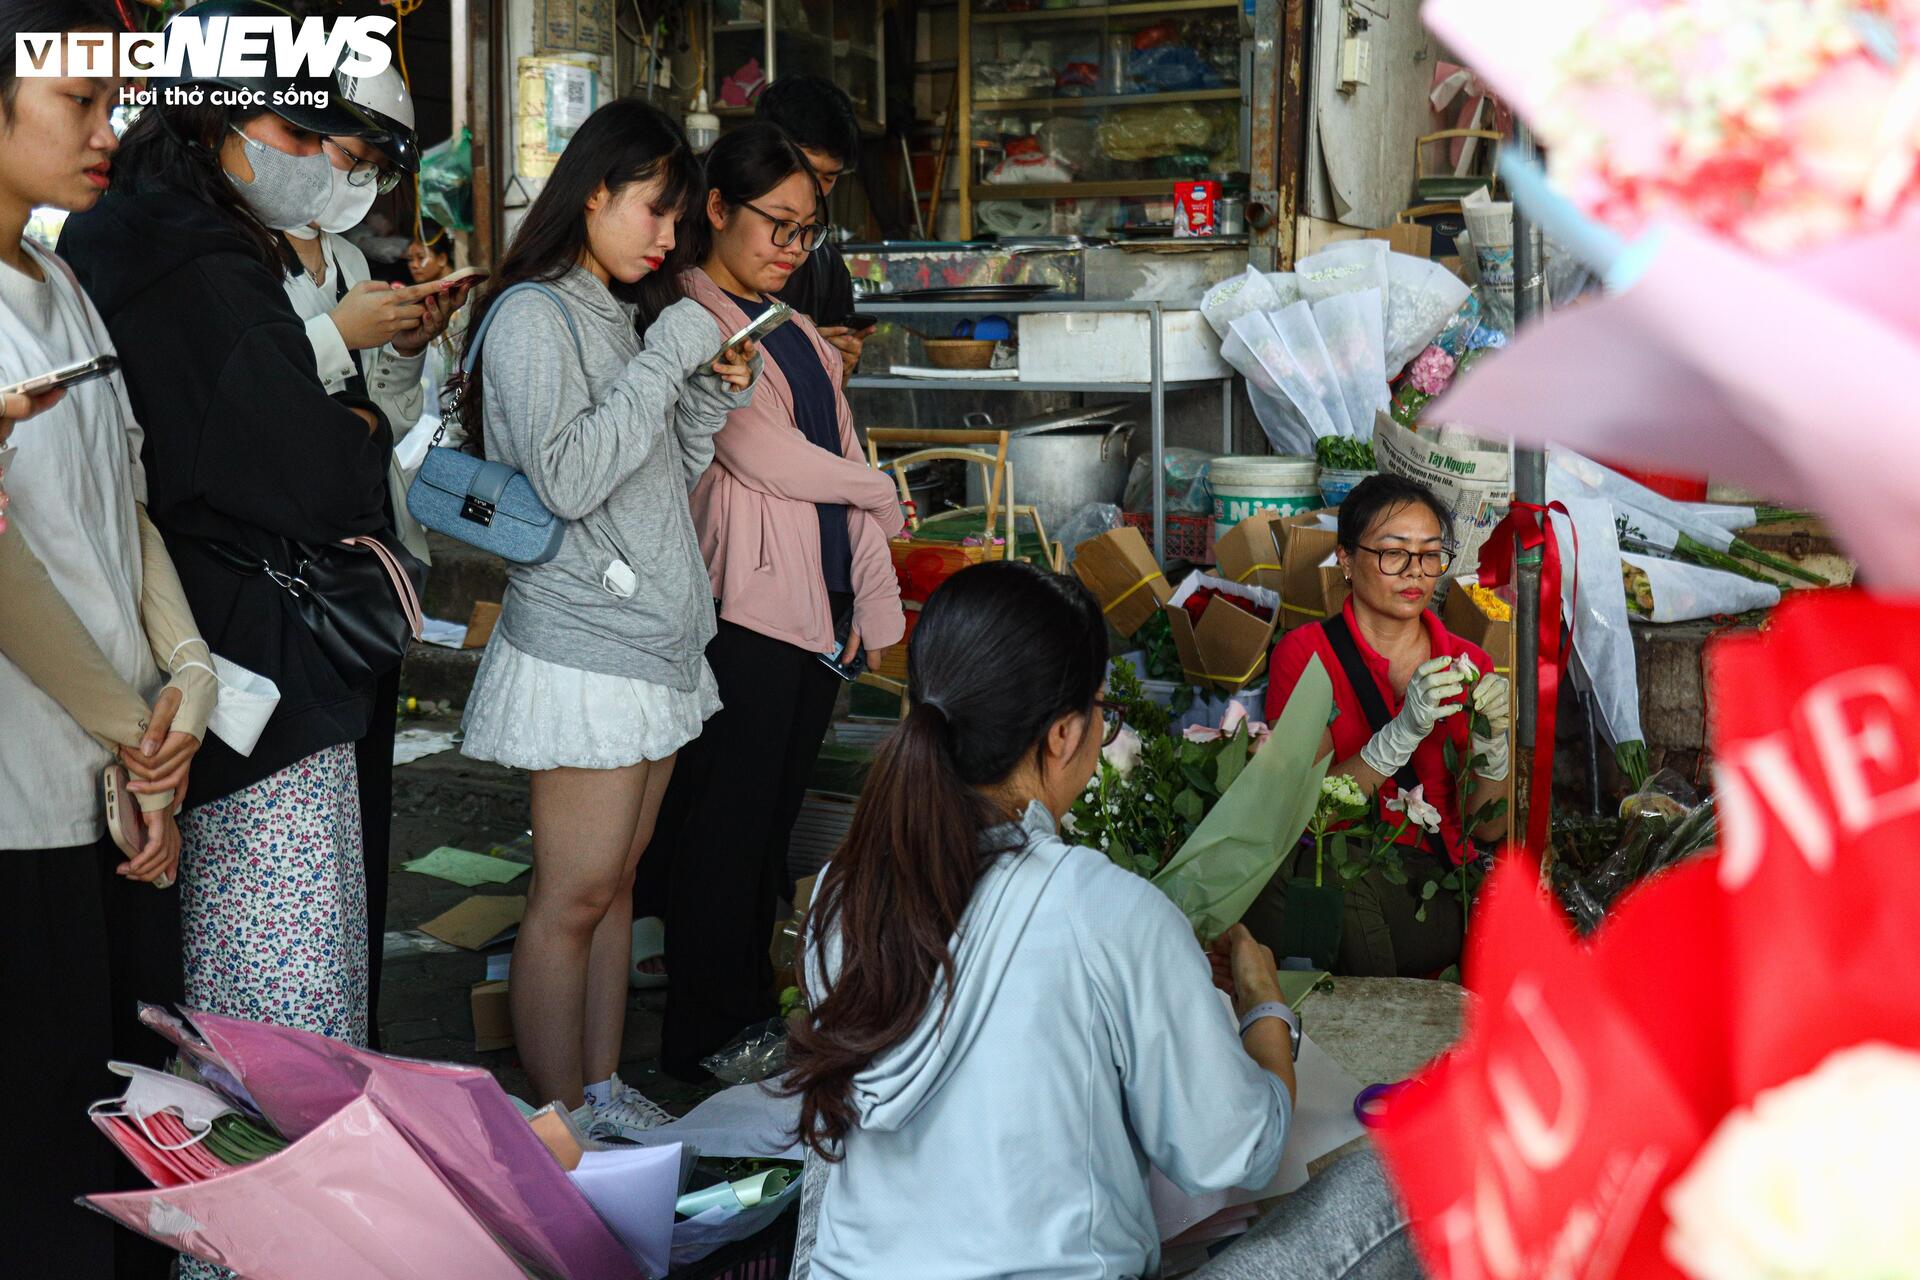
<point x="1244" y="486"/>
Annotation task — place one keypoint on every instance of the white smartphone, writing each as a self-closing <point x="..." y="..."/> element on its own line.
<point x="453" y="278"/>
<point x="72" y="375"/>
<point x="761" y="325"/>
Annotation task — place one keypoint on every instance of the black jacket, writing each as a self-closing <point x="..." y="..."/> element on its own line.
<point x="243" y="446"/>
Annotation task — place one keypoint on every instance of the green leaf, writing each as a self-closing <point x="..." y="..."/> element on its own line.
<point x="1488" y="812"/>
<point x="1450" y="974"/>
<point x="1233" y="758"/>
<point x="1421" y="914"/>
<point x="1451" y="755"/>
<point x="1428" y="889"/>
<point x="1198" y="781"/>
<point x="1188" y="806"/>
<point x="1482" y="726"/>
<point x="1393" y="871"/>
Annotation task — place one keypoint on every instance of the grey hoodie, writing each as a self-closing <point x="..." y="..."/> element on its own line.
<point x="613" y="447"/>
<point x="1010" y="1132"/>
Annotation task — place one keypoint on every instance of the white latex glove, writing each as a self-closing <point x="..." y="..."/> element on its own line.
<point x="1493" y="698"/>
<point x="1436" y="681"/>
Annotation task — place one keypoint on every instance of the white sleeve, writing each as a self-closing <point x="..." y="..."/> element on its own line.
<point x="330" y="354"/>
<point x="394" y="383"/>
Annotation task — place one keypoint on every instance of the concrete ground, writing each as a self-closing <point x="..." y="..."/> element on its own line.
<point x="446" y="799"/>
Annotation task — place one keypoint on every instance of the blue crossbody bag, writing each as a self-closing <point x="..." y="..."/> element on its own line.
<point x="486" y="504"/>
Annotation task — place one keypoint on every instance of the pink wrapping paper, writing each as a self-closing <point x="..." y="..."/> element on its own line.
<point x="456" y="1117"/>
<point x="351" y="1198"/>
<point x="1800" y="379"/>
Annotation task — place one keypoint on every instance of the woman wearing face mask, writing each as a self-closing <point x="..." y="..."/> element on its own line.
<point x="92" y="621"/>
<point x="795" y="526"/>
<point x="594" y="678"/>
<point x="245" y="453"/>
<point x="371" y="338"/>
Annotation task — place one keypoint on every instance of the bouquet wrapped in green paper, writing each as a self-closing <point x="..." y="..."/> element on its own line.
<point x="1241" y="843"/>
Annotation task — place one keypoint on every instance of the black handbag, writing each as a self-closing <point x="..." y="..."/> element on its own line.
<point x="359" y="598"/>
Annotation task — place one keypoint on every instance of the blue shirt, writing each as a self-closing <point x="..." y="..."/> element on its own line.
<point x="815" y="414"/>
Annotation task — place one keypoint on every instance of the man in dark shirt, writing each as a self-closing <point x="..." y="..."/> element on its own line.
<point x="817" y="114"/>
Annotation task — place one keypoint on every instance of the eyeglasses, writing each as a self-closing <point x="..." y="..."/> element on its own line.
<point x="1394" y="560"/>
<point x="786" y="230"/>
<point x="362" y="172"/>
<point x="1114" y="720"/>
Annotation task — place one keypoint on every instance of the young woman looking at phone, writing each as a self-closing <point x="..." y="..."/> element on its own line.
<point x="795" y="526"/>
<point x="246" y="451"/>
<point x="92" y="622"/>
<point x="595" y="675"/>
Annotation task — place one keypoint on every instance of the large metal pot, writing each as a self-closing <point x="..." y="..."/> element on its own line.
<point x="1062" y="462"/>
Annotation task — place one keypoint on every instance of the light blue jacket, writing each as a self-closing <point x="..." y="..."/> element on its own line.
<point x="1084" y="1041"/>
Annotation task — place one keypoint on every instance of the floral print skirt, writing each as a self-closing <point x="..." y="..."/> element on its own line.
<point x="273" y="900"/>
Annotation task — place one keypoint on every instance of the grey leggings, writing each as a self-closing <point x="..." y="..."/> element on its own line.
<point x="1345" y="1224"/>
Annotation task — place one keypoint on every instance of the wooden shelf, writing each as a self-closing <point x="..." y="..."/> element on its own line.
<point x="1083" y="12"/>
<point x="989" y="105"/>
<point x="1070" y="190"/>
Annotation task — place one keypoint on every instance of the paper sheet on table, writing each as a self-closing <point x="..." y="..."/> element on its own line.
<point x="744" y="1121"/>
<point x="448" y="635"/>
<point x="1322" y="1122"/>
<point x="1792" y="378"/>
<point x="416" y="744"/>
<point x="632" y="1189"/>
<point x="479" y="922"/>
<point x="464" y="867"/>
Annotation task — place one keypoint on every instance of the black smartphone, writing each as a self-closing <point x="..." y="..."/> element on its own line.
<point x="860" y="324"/>
<point x="849" y="671"/>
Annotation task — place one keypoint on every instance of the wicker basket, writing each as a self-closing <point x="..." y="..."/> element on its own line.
<point x="1189" y="538"/>
<point x="960" y="353"/>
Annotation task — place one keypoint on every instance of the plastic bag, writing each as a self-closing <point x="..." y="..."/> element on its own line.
<point x="1310" y="380"/>
<point x="1286" y="287"/>
<point x="1456" y="335"/>
<point x="1146" y="133"/>
<point x="1238" y="296"/>
<point x="756" y="1054"/>
<point x="1188" y="491"/>
<point x="446" y="182"/>
<point x="1673" y="591"/>
<point x="1601" y="641"/>
<point x="1424" y="296"/>
<point x="1663" y="823"/>
<point x="1285" y="427"/>
<point x="1085" y="524"/>
<point x="1351" y="327"/>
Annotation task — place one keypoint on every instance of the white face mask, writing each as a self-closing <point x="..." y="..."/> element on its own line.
<point x="150" y="1092"/>
<point x="286" y="191"/>
<point x="346" y="203"/>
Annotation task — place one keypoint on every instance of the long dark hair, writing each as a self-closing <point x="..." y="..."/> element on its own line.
<point x="1001" y="652"/>
<point x="743" y="166"/>
<point x="178" y="147"/>
<point x="624" y="142"/>
<point x="18" y="16"/>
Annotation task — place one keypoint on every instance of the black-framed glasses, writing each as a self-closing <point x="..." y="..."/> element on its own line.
<point x="362" y="173"/>
<point x="786" y="230"/>
<point x="1112" y="721"/>
<point x="1395" y="560"/>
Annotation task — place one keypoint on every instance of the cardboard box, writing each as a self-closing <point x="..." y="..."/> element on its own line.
<point x="1464" y="617"/>
<point x="1311" y="589"/>
<point x="492" y="1020"/>
<point x="1406" y="237"/>
<point x="1118" y="568"/>
<point x="1250" y="552"/>
<point x="480" y="624"/>
<point x="1228" y="649"/>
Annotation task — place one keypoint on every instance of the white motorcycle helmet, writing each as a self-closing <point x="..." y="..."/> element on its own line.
<point x="383" y="99"/>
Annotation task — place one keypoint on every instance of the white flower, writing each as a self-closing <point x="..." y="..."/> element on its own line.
<point x="1123" y="752"/>
<point x="1342" y="790"/>
<point x="1464" y="665"/>
<point x="1069" y="825"/>
<point x="1816" y="1179"/>
<point x="1414" y="804"/>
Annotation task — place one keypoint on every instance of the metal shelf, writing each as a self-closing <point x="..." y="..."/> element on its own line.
<point x="891" y="382"/>
<point x="1083" y="12"/>
<point x="1070" y="190"/>
<point x="988" y="106"/>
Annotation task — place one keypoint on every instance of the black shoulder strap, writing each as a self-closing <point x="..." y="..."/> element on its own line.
<point x="1372" y="705"/>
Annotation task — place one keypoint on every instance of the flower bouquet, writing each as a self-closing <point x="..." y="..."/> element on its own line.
<point x="1723" y="1083"/>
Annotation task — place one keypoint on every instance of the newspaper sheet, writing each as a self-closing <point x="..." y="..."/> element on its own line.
<point x="1471" y="479"/>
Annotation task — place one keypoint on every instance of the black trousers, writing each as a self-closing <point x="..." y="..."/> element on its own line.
<point x="373" y="755"/>
<point x="82" y="946"/>
<point x="720" y="845"/>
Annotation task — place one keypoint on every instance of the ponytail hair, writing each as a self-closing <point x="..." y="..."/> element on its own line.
<point x="1002" y="651"/>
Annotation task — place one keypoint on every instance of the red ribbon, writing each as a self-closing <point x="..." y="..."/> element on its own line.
<point x="1528" y="527"/>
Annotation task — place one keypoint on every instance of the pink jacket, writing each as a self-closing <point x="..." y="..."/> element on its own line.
<point x="754" y="508"/>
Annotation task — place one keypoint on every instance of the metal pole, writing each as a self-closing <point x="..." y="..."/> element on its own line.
<point x="1529" y="483"/>
<point x="1158" y="409"/>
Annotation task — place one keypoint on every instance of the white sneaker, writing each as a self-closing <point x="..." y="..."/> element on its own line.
<point x="627" y="1112"/>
